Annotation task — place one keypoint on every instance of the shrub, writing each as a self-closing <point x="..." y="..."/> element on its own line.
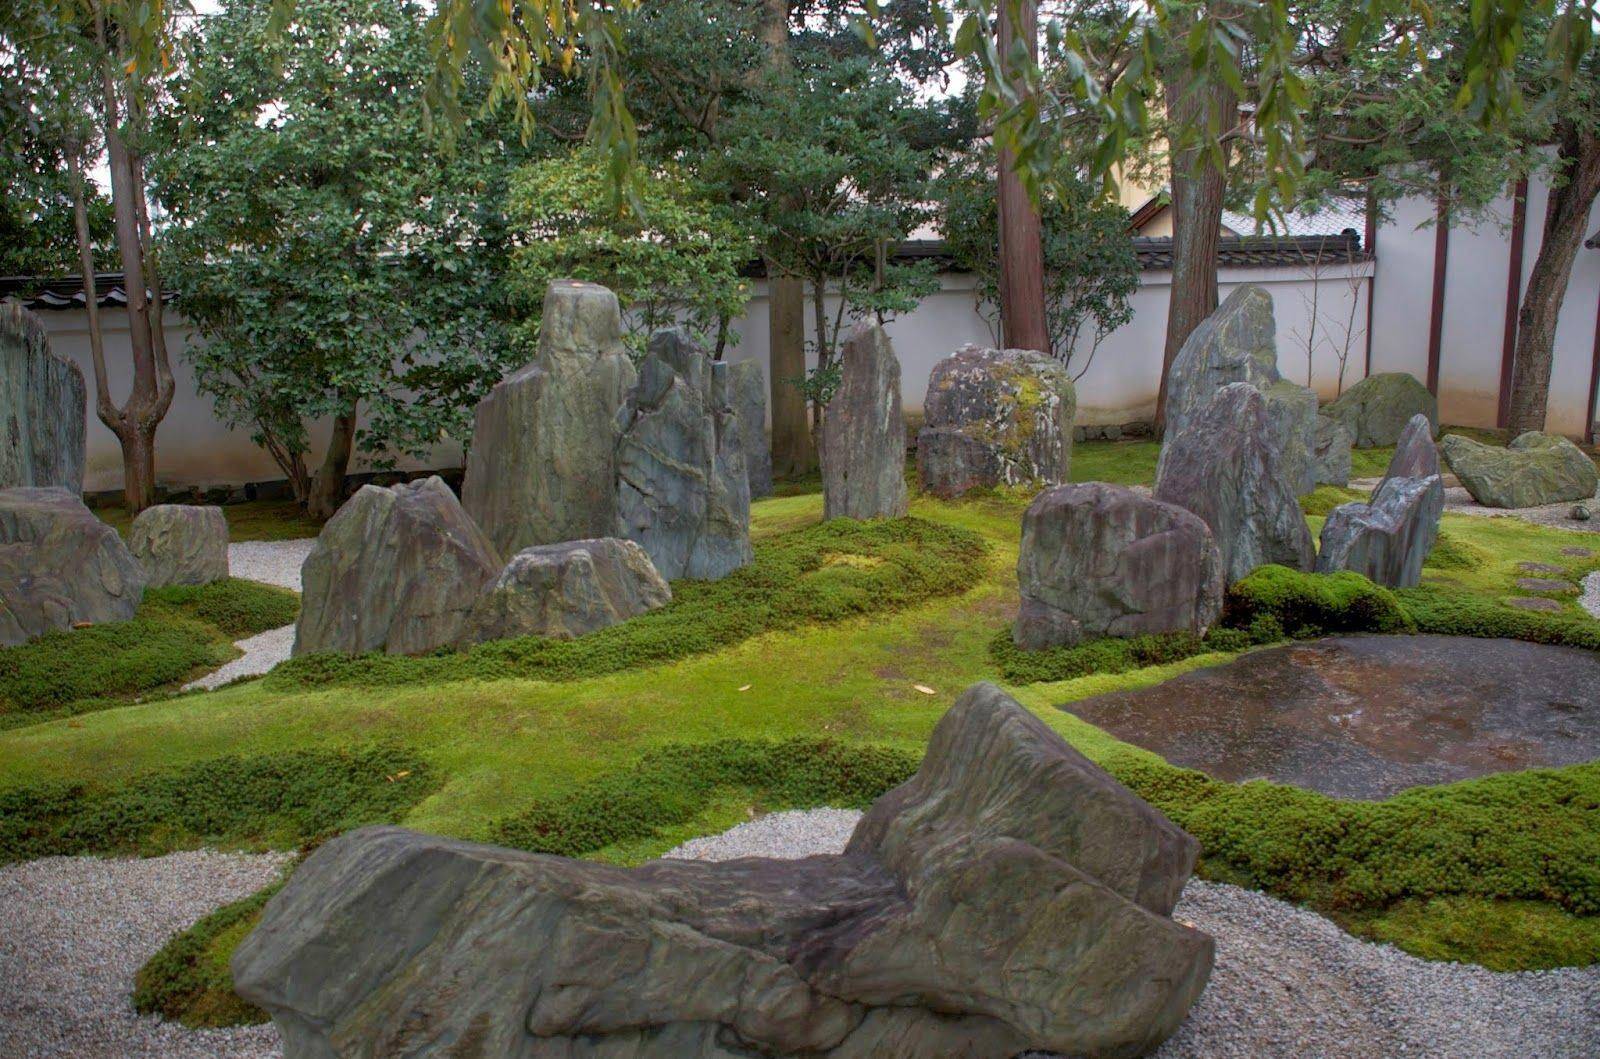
<point x="1313" y="604"/>
<point x="188" y="980"/>
<point x="237" y="607"/>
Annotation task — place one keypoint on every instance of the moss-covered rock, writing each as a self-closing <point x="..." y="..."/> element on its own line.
<point x="1377" y="408"/>
<point x="1534" y="469"/>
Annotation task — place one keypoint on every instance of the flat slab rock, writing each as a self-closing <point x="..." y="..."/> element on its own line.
<point x="1011" y="896"/>
<point x="1369" y="716"/>
<point x="60" y="565"/>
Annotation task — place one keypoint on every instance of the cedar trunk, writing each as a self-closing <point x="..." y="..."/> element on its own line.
<point x="1022" y="310"/>
<point x="792" y="453"/>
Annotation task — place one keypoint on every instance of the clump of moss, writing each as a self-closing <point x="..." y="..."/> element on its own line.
<point x="1111" y="654"/>
<point x="237" y="607"/>
<point x="1313" y="604"/>
<point x="1452" y="553"/>
<point x="1324" y="498"/>
<point x="188" y="979"/>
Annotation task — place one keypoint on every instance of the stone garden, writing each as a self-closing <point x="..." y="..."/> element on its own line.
<point x="1279" y="730"/>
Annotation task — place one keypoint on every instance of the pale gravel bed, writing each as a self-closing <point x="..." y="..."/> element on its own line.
<point x="261" y="653"/>
<point x="76" y="929"/>
<point x="276" y="563"/>
<point x="1457" y="501"/>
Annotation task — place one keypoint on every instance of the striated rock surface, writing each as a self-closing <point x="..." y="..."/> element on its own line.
<point x="565" y="590"/>
<point x="1225" y="467"/>
<point x="180" y="544"/>
<point x="682" y="488"/>
<point x="1239" y="343"/>
<point x="542" y="466"/>
<point x="60" y="565"/>
<point x="1388" y="539"/>
<point x="747" y="385"/>
<point x="396" y="570"/>
<point x="1534" y="469"/>
<point x="42" y="407"/>
<point x="1415" y="454"/>
<point x="1012" y="896"/>
<point x="1100" y="559"/>
<point x="1331" y="453"/>
<point x="995" y="417"/>
<point x="1378" y="408"/>
<point x="863" y="444"/>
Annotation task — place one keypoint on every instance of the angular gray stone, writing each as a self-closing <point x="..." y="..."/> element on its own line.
<point x="1239" y="343"/>
<point x="565" y="590"/>
<point x="180" y="544"/>
<point x="747" y="385"/>
<point x="1534" y="469"/>
<point x="42" y="407"/>
<point x="863" y="443"/>
<point x="1377" y="408"/>
<point x="542" y="466"/>
<point x="1387" y="540"/>
<point x="1012" y="896"/>
<point x="1415" y="454"/>
<point x="396" y="570"/>
<point x="995" y="417"/>
<point x="1102" y="560"/>
<point x="1225" y="467"/>
<point x="1331" y="453"/>
<point x="60" y="565"/>
<point x="682" y="489"/>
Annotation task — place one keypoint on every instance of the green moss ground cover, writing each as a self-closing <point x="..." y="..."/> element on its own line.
<point x="254" y="520"/>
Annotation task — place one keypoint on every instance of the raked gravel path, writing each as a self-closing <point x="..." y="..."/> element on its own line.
<point x="276" y="563"/>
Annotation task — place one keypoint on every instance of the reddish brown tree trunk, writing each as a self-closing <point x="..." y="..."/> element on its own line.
<point x="1022" y="309"/>
<point x="1566" y="221"/>
<point x="327" y="488"/>
<point x="792" y="452"/>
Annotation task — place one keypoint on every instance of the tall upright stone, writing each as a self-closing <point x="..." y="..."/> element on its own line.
<point x="1387" y="540"/>
<point x="42" y="407"/>
<point x="747" y="385"/>
<point x="863" y="447"/>
<point x="682" y="490"/>
<point x="1415" y="453"/>
<point x="1239" y="343"/>
<point x="1331" y="456"/>
<point x="1225" y="467"/>
<point x="542" y="467"/>
<point x="60" y="565"/>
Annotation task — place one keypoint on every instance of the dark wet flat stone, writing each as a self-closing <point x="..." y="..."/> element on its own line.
<point x="1580" y="552"/>
<point x="1541" y="568"/>
<point x="1369" y="716"/>
<point x="1547" y="606"/>
<point x="1545" y="584"/>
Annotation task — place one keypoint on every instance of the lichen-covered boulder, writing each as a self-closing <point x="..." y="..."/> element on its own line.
<point x="1010" y="897"/>
<point x="60" y="565"/>
<point x="396" y="570"/>
<point x="1226" y="468"/>
<point x="863" y="444"/>
<point x="1330" y="461"/>
<point x="41" y="407"/>
<point x="1377" y="408"/>
<point x="1388" y="539"/>
<point x="180" y="544"/>
<point x="542" y="466"/>
<point x="1102" y="560"/>
<point x="682" y="490"/>
<point x="747" y="386"/>
<point x="995" y="417"/>
<point x="565" y="590"/>
<point x="1534" y="469"/>
<point x="1239" y="343"/>
<point x="1415" y="454"/>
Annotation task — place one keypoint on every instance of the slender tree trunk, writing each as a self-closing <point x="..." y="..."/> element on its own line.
<point x="1566" y="221"/>
<point x="103" y="406"/>
<point x="792" y="454"/>
<point x="327" y="488"/>
<point x="1022" y="309"/>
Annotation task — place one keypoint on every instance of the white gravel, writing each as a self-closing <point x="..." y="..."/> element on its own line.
<point x="1590" y="599"/>
<point x="76" y="929"/>
<point x="261" y="653"/>
<point x="782" y="836"/>
<point x="1457" y="501"/>
<point x="276" y="563"/>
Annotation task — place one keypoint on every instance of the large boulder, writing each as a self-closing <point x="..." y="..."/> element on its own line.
<point x="396" y="570"/>
<point x="1226" y="467"/>
<point x="180" y="544"/>
<point x="995" y="417"/>
<point x="863" y="444"/>
<point x="1102" y="560"/>
<point x="542" y="466"/>
<point x="1012" y="896"/>
<point x="42" y="402"/>
<point x="1388" y="539"/>
<point x="565" y="590"/>
<point x="1377" y="408"/>
<point x="682" y="490"/>
<point x="1331" y="453"/>
<point x="1239" y="343"/>
<point x="1534" y="469"/>
<point x="747" y="385"/>
<point x="60" y="565"/>
<point x="1415" y="454"/>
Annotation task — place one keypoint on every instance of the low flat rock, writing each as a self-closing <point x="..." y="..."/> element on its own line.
<point x="1369" y="716"/>
<point x="1008" y="853"/>
<point x="180" y="544"/>
<point x="863" y="446"/>
<point x="42" y="407"/>
<point x="1389" y="539"/>
<point x="60" y="565"/>
<point x="1534" y="469"/>
<point x="1545" y="584"/>
<point x="563" y="591"/>
<point x="1545" y="606"/>
<point x="1379" y="407"/>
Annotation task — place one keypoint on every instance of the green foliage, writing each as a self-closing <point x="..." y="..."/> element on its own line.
<point x="827" y="572"/>
<point x="673" y="783"/>
<point x="188" y="979"/>
<point x="278" y="800"/>
<point x="237" y="607"/>
<point x="1313" y="604"/>
<point x="1113" y="654"/>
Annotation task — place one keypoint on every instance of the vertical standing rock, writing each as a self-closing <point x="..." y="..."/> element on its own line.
<point x="1226" y="468"/>
<point x="60" y="565"/>
<point x="1388" y="539"/>
<point x="542" y="468"/>
<point x="1415" y="454"/>
<point x="1331" y="457"/>
<point x="747" y="385"/>
<point x="180" y="544"/>
<point x="864" y="432"/>
<point x="42" y="402"/>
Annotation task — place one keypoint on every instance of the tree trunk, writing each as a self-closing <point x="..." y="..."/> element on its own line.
<point x="792" y="454"/>
<point x="1022" y="309"/>
<point x="1566" y="220"/>
<point x="327" y="488"/>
